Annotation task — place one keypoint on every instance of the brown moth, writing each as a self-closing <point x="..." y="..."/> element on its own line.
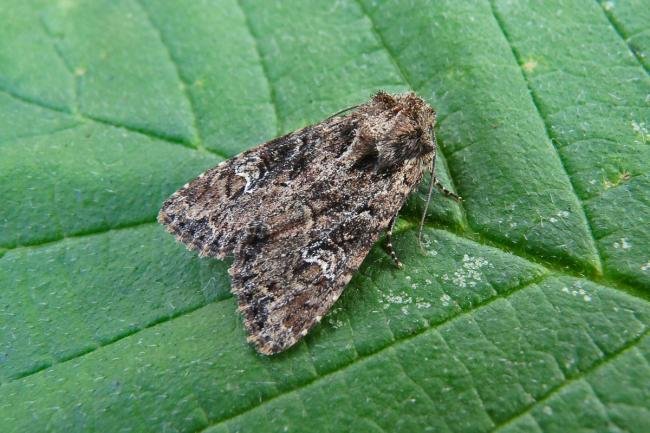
<point x="300" y="212"/>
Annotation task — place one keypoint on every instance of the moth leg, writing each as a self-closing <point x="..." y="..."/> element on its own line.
<point x="445" y="191"/>
<point x="389" y="242"/>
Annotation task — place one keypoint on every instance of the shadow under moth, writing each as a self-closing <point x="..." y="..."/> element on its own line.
<point x="301" y="212"/>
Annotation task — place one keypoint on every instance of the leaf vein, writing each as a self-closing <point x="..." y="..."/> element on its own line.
<point x="93" y="119"/>
<point x="603" y="407"/>
<point x="265" y="70"/>
<point x="68" y="67"/>
<point x="468" y="372"/>
<point x="631" y="345"/>
<point x="84" y="234"/>
<point x="618" y="29"/>
<point x="40" y="134"/>
<point x="550" y="137"/>
<point x="426" y="392"/>
<point x="197" y="141"/>
<point x="386" y="348"/>
<point x="155" y="322"/>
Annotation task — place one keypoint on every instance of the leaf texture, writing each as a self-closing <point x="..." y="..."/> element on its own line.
<point x="527" y="310"/>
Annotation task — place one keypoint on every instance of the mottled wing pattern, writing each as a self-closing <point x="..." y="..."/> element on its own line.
<point x="287" y="281"/>
<point x="299" y="253"/>
<point x="301" y="212"/>
<point x="211" y="213"/>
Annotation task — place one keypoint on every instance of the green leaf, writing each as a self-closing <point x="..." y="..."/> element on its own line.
<point x="527" y="310"/>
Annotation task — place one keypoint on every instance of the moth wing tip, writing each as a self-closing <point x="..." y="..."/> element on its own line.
<point x="266" y="350"/>
<point x="262" y="347"/>
<point x="162" y="217"/>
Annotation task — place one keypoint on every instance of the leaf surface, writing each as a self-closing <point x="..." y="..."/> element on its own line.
<point x="527" y="309"/>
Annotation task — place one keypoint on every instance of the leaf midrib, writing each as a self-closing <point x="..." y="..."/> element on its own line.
<point x="431" y="327"/>
<point x="379" y="37"/>
<point x="391" y="346"/>
<point x="546" y="272"/>
<point x="465" y="234"/>
<point x="198" y="147"/>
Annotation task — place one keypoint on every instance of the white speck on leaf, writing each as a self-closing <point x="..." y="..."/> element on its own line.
<point x="548" y="410"/>
<point x="530" y="65"/>
<point x="623" y="176"/>
<point x="399" y="299"/>
<point x="641" y="130"/>
<point x="577" y="290"/>
<point x="622" y="244"/>
<point x="470" y="273"/>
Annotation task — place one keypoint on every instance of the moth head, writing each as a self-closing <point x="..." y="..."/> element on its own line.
<point x="395" y="129"/>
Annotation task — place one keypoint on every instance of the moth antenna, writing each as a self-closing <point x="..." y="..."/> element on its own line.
<point x="343" y="111"/>
<point x="426" y="206"/>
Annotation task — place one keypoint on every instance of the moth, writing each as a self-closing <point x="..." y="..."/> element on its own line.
<point x="301" y="212"/>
